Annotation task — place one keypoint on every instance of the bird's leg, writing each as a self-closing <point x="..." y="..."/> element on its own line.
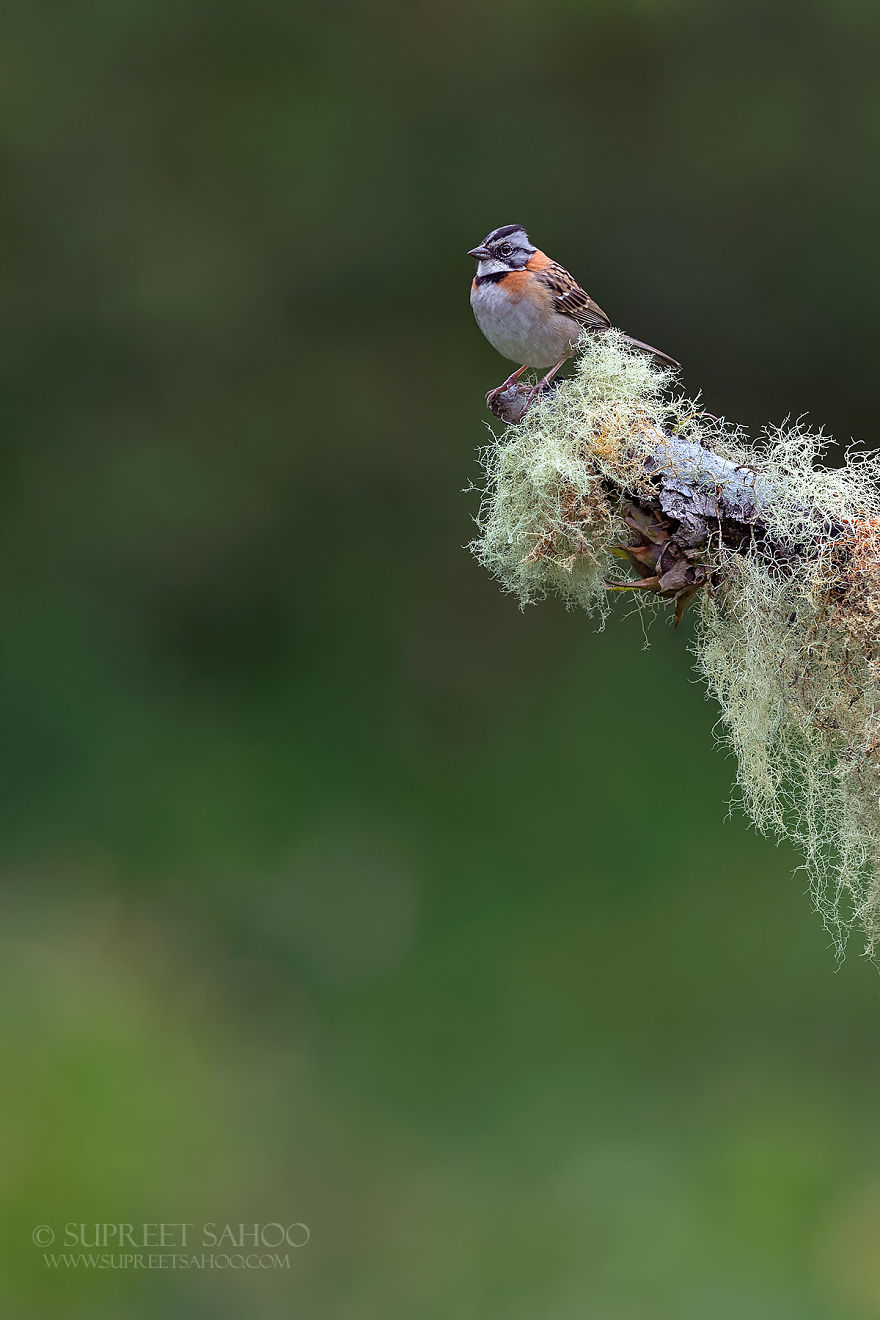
<point x="499" y="389"/>
<point x="536" y="389"/>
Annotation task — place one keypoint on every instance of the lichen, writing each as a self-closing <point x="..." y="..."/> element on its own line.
<point x="788" y="639"/>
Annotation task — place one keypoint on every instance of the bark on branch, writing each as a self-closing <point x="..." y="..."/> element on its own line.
<point x="699" y="498"/>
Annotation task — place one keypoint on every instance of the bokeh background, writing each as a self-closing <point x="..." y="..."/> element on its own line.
<point x="334" y="888"/>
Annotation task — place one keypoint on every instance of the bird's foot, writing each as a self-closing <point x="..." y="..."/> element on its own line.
<point x="543" y="383"/>
<point x="499" y="389"/>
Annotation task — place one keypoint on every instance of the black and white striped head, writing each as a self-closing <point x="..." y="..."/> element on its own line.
<point x="505" y="249"/>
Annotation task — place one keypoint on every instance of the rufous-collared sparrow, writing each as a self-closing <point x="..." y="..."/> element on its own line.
<point x="531" y="309"/>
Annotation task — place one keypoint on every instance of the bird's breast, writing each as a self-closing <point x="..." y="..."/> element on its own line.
<point x="520" y="322"/>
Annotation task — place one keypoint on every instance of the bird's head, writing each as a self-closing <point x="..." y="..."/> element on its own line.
<point x="505" y="249"/>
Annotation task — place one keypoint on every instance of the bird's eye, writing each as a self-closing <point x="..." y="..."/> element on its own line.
<point x="505" y="249"/>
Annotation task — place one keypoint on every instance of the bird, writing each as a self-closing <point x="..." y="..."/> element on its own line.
<point x="531" y="309"/>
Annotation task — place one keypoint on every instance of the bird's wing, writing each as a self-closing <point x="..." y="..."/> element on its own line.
<point x="571" y="300"/>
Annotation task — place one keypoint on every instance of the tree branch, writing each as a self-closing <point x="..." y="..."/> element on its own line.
<point x="612" y="464"/>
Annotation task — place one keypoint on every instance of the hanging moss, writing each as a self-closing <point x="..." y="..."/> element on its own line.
<point x="616" y="462"/>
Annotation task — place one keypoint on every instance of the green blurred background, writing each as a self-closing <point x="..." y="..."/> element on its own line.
<point x="336" y="889"/>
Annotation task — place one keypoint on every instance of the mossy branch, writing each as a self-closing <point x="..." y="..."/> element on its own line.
<point x="782" y="554"/>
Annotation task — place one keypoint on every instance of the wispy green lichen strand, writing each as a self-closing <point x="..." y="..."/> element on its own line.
<point x="789" y="640"/>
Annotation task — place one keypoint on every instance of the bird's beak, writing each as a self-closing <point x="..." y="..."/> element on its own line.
<point x="481" y="253"/>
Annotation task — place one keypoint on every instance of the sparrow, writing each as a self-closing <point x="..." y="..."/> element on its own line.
<point x="531" y="309"/>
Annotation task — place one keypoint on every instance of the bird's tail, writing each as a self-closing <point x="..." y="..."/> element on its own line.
<point x="655" y="352"/>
